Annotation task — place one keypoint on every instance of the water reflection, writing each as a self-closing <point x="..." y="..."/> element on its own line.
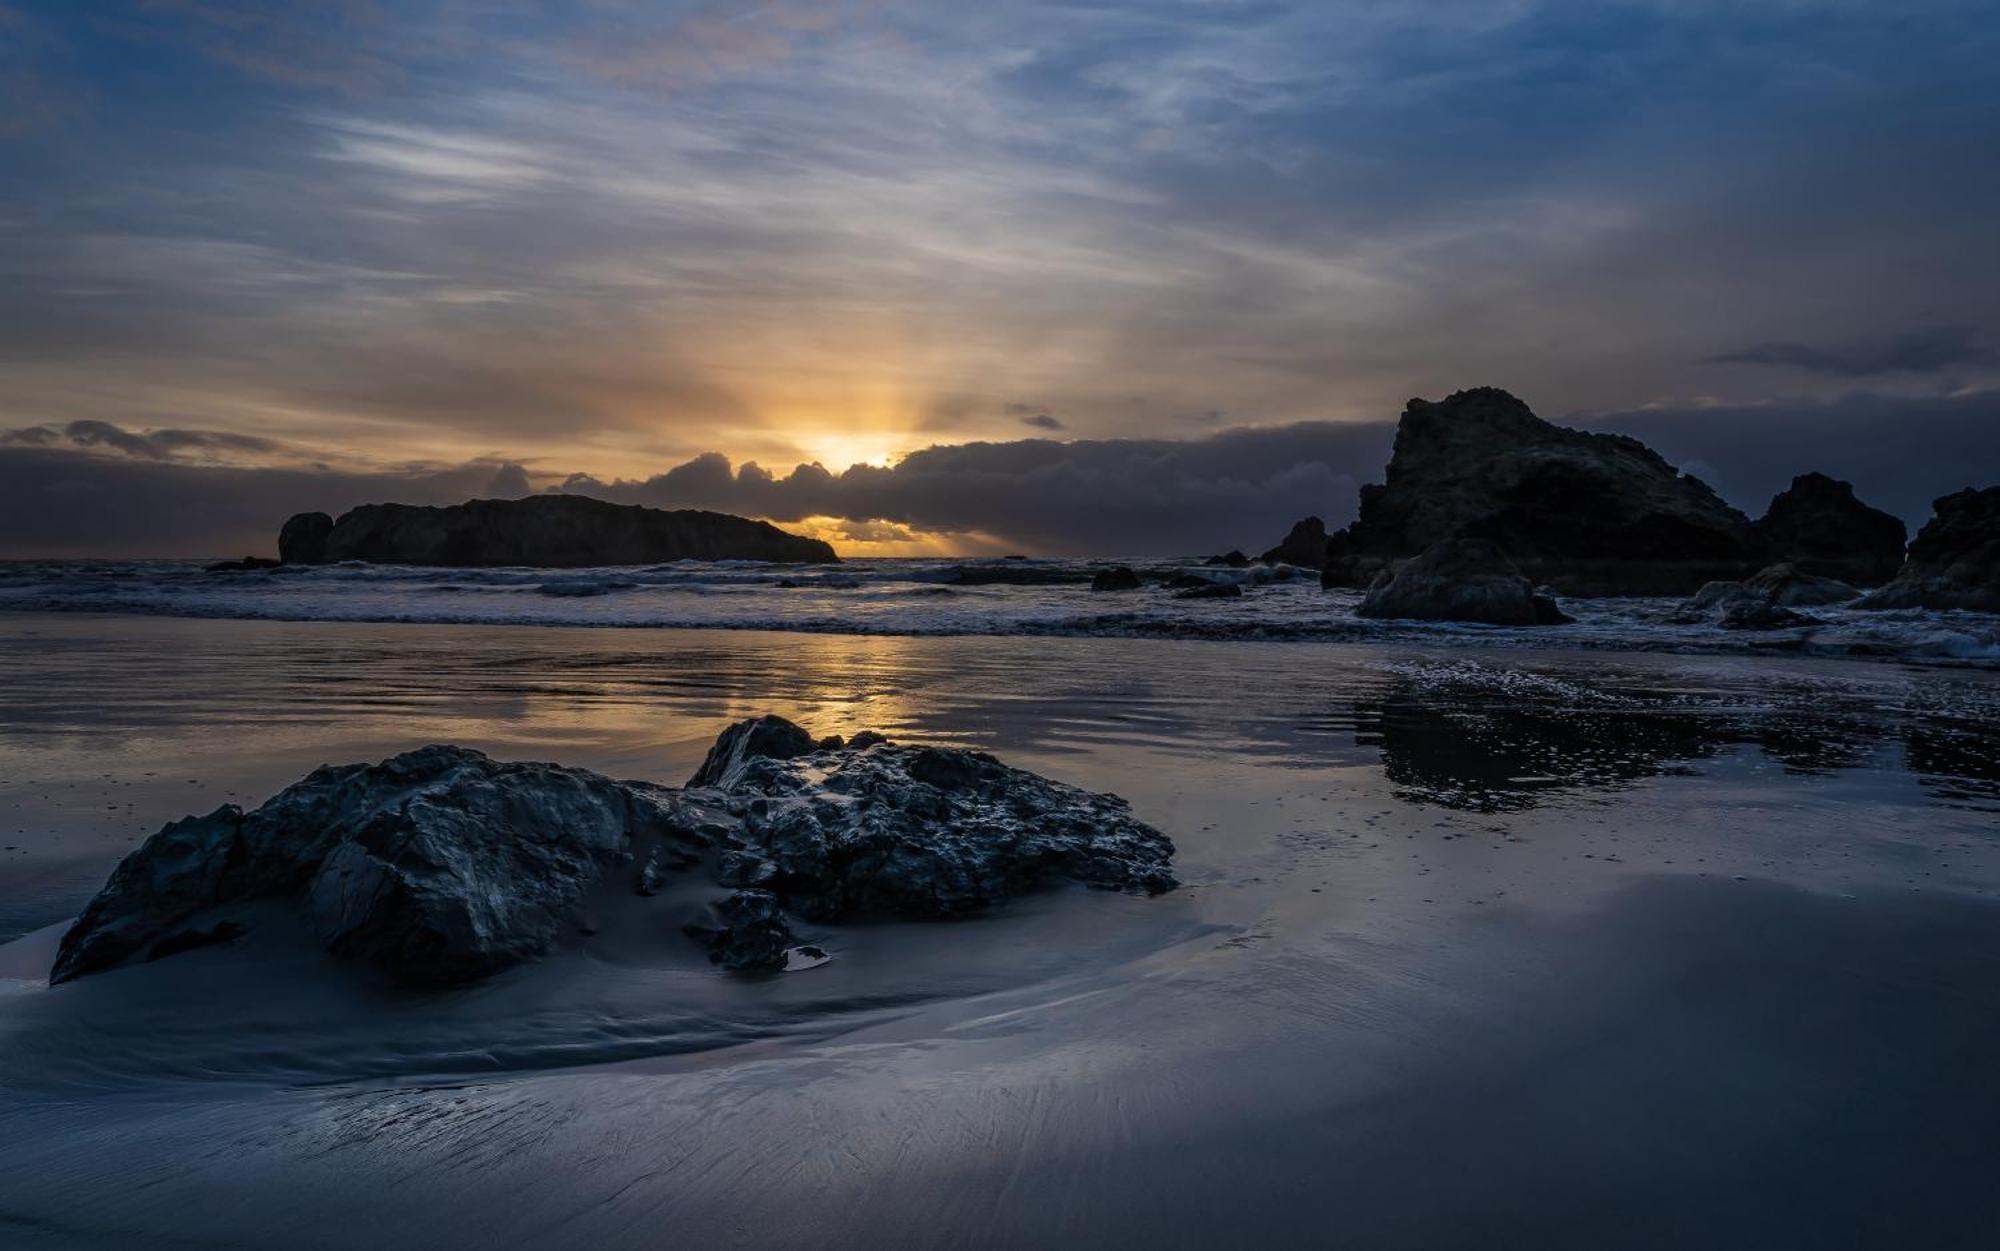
<point x="1483" y="740"/>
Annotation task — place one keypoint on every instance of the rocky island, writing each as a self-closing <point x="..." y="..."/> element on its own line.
<point x="547" y="531"/>
<point x="1480" y="490"/>
<point x="442" y="866"/>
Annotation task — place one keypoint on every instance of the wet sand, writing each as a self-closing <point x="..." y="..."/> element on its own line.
<point x="1483" y="950"/>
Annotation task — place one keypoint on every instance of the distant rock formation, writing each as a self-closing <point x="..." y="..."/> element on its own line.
<point x="1231" y="559"/>
<point x="1459" y="580"/>
<point x="547" y="531"/>
<point x="1817" y="526"/>
<point x="302" y="540"/>
<point x="1121" y="578"/>
<point x="1588" y="514"/>
<point x="1304" y="546"/>
<point x="1954" y="561"/>
<point x="441" y="865"/>
<point x="248" y="564"/>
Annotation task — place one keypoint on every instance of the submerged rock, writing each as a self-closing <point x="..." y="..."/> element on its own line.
<point x="1765" y="601"/>
<point x="1818" y="527"/>
<point x="1304" y="546"/>
<point x="1120" y="578"/>
<point x="1460" y="580"/>
<point x="441" y="865"/>
<point x="550" y="531"/>
<point x="1954" y="561"/>
<point x="1590" y="514"/>
<point x="244" y="565"/>
<point x="1202" y="588"/>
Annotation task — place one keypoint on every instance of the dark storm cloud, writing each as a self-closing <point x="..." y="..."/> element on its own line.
<point x="55" y="502"/>
<point x="1042" y="421"/>
<point x="146" y="444"/>
<point x="1238" y="488"/>
<point x="1900" y="452"/>
<point x="1241" y="488"/>
<point x="1927" y="351"/>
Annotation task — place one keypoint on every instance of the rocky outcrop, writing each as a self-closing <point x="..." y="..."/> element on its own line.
<point x="1765" y="601"/>
<point x="884" y="830"/>
<point x="1121" y="578"/>
<point x="1818" y="527"/>
<point x="1231" y="559"/>
<point x="248" y="564"/>
<point x="549" y="531"/>
<point x="1304" y="546"/>
<point x="1589" y="514"/>
<point x="1459" y="580"/>
<point x="441" y="865"/>
<point x="1954" y="562"/>
<point x="302" y="540"/>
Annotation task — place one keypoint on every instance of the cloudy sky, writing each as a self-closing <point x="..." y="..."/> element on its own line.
<point x="1055" y="276"/>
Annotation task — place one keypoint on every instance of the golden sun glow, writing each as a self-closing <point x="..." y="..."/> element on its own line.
<point x="838" y="449"/>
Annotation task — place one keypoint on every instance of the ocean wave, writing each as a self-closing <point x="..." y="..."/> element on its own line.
<point x="935" y="597"/>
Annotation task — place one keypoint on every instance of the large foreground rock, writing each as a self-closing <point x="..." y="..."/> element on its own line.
<point x="442" y="865"/>
<point x="1459" y="580"/>
<point x="551" y="531"/>
<point x="1954" y="562"/>
<point x="1589" y="514"/>
<point x="1819" y="528"/>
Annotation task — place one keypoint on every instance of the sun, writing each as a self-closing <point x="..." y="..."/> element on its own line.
<point x="838" y="449"/>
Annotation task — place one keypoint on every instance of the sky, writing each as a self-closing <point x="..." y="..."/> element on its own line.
<point x="928" y="277"/>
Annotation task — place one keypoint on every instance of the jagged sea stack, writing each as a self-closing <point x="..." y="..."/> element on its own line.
<point x="1587" y="514"/>
<point x="1954" y="561"/>
<point x="1819" y="528"/>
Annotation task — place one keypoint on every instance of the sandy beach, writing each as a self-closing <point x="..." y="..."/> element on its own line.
<point x="1475" y="948"/>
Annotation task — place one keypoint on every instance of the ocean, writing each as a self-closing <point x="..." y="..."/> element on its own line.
<point x="1668" y="938"/>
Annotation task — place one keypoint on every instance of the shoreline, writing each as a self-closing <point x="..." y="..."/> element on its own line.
<point x="1553" y="923"/>
<point x="1781" y="644"/>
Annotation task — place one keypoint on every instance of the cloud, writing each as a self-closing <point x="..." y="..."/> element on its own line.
<point x="1927" y="351"/>
<point x="1239" y="488"/>
<point x="148" y="445"/>
<point x="1900" y="452"/>
<point x="433" y="229"/>
<point x="57" y="502"/>
<point x="1042" y="421"/>
<point x="510" y="482"/>
<point x="1236" y="488"/>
